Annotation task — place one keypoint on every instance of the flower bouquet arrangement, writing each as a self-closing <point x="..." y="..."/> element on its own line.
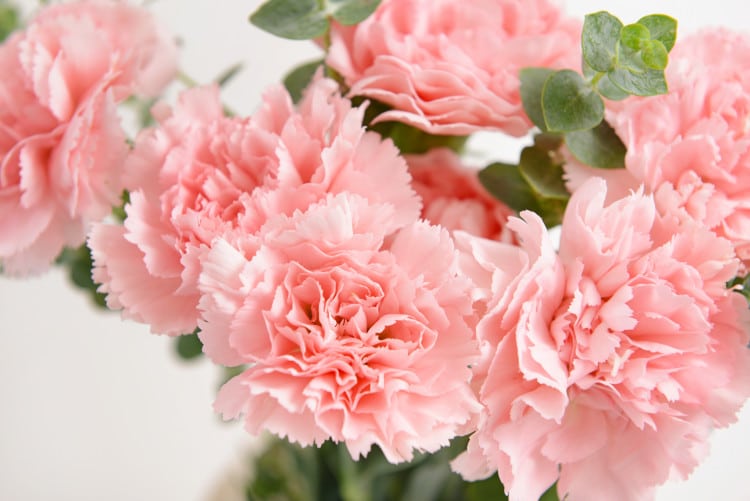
<point x="403" y="323"/>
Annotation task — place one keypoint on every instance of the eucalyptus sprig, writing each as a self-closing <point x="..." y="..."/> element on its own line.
<point x="308" y="19"/>
<point x="618" y="61"/>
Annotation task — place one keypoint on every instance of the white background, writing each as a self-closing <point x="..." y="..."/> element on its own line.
<point x="94" y="408"/>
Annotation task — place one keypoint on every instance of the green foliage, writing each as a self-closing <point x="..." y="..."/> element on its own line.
<point x="601" y="32"/>
<point x="535" y="184"/>
<point x="618" y="61"/>
<point x="288" y="472"/>
<point x="294" y="19"/>
<point x="598" y="147"/>
<point x="550" y="494"/>
<point x="299" y="78"/>
<point x="306" y="19"/>
<point x="189" y="346"/>
<point x="9" y="19"/>
<point x="78" y="261"/>
<point x="569" y="103"/>
<point x="228" y="75"/>
<point x="348" y="12"/>
<point x="532" y="85"/>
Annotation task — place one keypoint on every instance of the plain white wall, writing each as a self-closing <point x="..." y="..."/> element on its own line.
<point x="95" y="408"/>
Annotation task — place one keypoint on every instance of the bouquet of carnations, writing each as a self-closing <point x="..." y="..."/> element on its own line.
<point x="408" y="325"/>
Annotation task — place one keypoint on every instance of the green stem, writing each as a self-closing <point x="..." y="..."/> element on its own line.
<point x="351" y="488"/>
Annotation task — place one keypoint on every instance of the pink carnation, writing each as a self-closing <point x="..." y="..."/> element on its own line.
<point x="201" y="175"/>
<point x="61" y="145"/>
<point x="453" y="197"/>
<point x="604" y="366"/>
<point x="451" y="67"/>
<point x="349" y="333"/>
<point x="691" y="147"/>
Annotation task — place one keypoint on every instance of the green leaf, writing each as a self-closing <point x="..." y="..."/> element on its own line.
<point x="294" y="19"/>
<point x="569" y="104"/>
<point x="662" y="28"/>
<point x="633" y="36"/>
<point x="8" y="20"/>
<point x="349" y="12"/>
<point x="654" y="55"/>
<point x="427" y="482"/>
<point x="482" y="490"/>
<point x="607" y="89"/>
<point x="189" y="346"/>
<point x="601" y="32"/>
<point x="297" y="80"/>
<point x="548" y="141"/>
<point x="532" y="85"/>
<point x="550" y="495"/>
<point x="646" y="82"/>
<point x="505" y="182"/>
<point x="227" y="75"/>
<point x="598" y="147"/>
<point x="542" y="174"/>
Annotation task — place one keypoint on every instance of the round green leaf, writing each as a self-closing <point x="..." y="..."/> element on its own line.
<point x="532" y="84"/>
<point x="634" y="35"/>
<point x="639" y="83"/>
<point x="654" y="55"/>
<point x="294" y="19"/>
<point x="607" y="89"/>
<point x="569" y="104"/>
<point x="601" y="32"/>
<point x="599" y="147"/>
<point x="349" y="12"/>
<point x="298" y="79"/>
<point x="662" y="28"/>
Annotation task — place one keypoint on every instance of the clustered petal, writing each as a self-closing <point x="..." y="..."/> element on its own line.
<point x="61" y="145"/>
<point x="606" y="364"/>
<point x="347" y="336"/>
<point x="450" y="67"/>
<point x="691" y="147"/>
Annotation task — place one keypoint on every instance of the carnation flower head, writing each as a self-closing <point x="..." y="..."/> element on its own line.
<point x="691" y="147"/>
<point x="354" y="328"/>
<point x="201" y="175"/>
<point x="604" y="366"/>
<point x="450" y="67"/>
<point x="453" y="197"/>
<point x="61" y="145"/>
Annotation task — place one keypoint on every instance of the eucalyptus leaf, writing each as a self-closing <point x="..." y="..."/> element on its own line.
<point x="293" y="19"/>
<point x="569" y="103"/>
<point x="634" y="35"/>
<point x="646" y="82"/>
<point x="607" y="89"/>
<point x="599" y="147"/>
<point x="662" y="28"/>
<point x="297" y="80"/>
<point x="349" y="12"/>
<point x="543" y="175"/>
<point x="654" y="55"/>
<point x="505" y="182"/>
<point x="601" y="32"/>
<point x="532" y="85"/>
